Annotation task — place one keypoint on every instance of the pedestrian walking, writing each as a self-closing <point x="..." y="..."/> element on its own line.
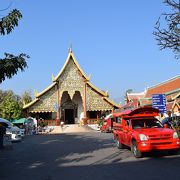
<point x="62" y="124"/>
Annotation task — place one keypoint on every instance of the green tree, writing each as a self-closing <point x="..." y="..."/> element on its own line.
<point x="11" y="64"/>
<point x="167" y="28"/>
<point x="26" y="97"/>
<point x="8" y="22"/>
<point x="10" y="105"/>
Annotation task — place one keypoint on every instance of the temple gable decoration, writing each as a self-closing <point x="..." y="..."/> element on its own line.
<point x="70" y="86"/>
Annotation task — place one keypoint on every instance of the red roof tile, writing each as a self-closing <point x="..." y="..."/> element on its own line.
<point x="131" y="104"/>
<point x="135" y="96"/>
<point x="164" y="87"/>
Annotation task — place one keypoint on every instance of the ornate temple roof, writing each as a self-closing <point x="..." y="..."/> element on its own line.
<point x="164" y="87"/>
<point x="85" y="77"/>
<point x="71" y="55"/>
<point x="131" y="96"/>
<point x="171" y="88"/>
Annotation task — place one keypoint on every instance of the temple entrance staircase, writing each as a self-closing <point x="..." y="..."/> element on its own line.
<point x="71" y="128"/>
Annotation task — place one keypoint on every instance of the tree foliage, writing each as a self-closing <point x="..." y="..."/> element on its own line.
<point x="168" y="34"/>
<point x="26" y="97"/>
<point x="10" y="105"/>
<point x="11" y="109"/>
<point x="11" y="64"/>
<point x="9" y="22"/>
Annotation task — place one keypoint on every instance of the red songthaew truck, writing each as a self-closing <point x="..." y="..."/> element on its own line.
<point x="142" y="132"/>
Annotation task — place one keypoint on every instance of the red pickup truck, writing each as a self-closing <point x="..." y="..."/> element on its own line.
<point x="142" y="132"/>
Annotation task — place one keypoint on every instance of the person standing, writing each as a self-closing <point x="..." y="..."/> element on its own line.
<point x="2" y="132"/>
<point x="62" y="124"/>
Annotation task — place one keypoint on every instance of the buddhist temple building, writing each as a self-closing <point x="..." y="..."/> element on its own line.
<point x="171" y="89"/>
<point x="133" y="100"/>
<point x="70" y="98"/>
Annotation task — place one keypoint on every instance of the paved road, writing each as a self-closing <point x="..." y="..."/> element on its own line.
<point x="82" y="156"/>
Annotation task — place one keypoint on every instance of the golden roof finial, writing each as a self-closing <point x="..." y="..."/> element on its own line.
<point x="53" y="78"/>
<point x="70" y="48"/>
<point x="107" y="93"/>
<point x="89" y="77"/>
<point x="36" y="93"/>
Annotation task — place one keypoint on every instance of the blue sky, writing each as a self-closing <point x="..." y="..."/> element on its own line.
<point x="111" y="39"/>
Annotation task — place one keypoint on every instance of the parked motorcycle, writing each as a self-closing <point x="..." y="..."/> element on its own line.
<point x="173" y="123"/>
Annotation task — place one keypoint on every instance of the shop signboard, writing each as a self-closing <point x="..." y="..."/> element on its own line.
<point x="159" y="102"/>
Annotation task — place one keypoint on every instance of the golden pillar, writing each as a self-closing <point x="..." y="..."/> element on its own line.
<point x="58" y="106"/>
<point x="85" y="105"/>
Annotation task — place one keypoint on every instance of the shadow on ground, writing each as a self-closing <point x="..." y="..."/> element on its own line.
<point x="86" y="156"/>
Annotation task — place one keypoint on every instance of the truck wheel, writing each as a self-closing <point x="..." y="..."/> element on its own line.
<point x="118" y="143"/>
<point x="135" y="150"/>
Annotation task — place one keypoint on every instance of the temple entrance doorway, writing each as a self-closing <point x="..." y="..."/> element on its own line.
<point x="71" y="109"/>
<point x="69" y="116"/>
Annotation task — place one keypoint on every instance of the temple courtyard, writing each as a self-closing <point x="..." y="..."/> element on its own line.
<point x="82" y="156"/>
